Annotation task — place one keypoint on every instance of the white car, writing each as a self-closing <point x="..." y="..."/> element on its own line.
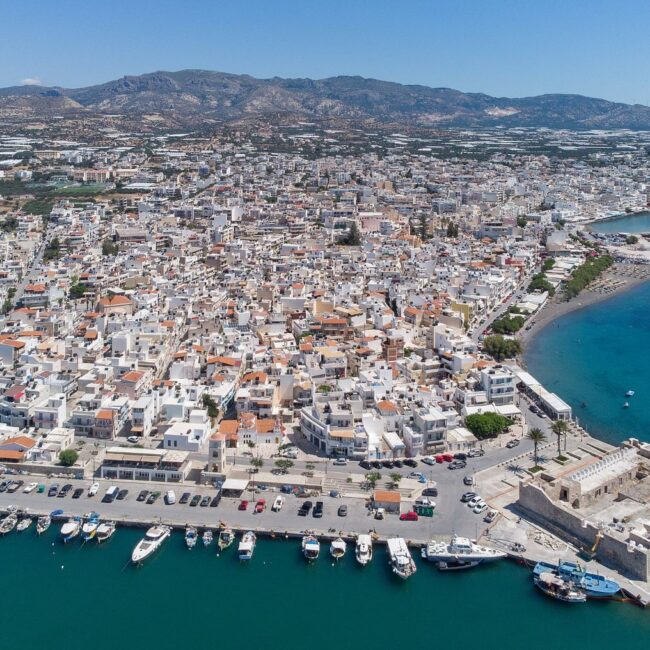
<point x="472" y="502"/>
<point x="428" y="460"/>
<point x="479" y="507"/>
<point x="30" y="487"/>
<point x="340" y="461"/>
<point x="170" y="497"/>
<point x="277" y="504"/>
<point x="426" y="502"/>
<point x="93" y="489"/>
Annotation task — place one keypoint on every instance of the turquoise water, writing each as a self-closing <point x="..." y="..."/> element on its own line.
<point x="78" y="597"/>
<point x="630" y="223"/>
<point x="593" y="356"/>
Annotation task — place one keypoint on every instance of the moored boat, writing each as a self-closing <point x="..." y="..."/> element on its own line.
<point x="191" y="535"/>
<point x="24" y="524"/>
<point x="150" y="543"/>
<point x="594" y="585"/>
<point x="555" y="587"/>
<point x="310" y="547"/>
<point x="8" y="523"/>
<point x="70" y="529"/>
<point x="630" y="393"/>
<point x="460" y="552"/>
<point x="363" y="550"/>
<point x="89" y="527"/>
<point x="207" y="537"/>
<point x="247" y="546"/>
<point x="225" y="539"/>
<point x="338" y="548"/>
<point x="105" y="531"/>
<point x="43" y="524"/>
<point x="400" y="557"/>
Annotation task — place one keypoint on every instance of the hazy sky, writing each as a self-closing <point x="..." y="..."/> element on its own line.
<point x="500" y="47"/>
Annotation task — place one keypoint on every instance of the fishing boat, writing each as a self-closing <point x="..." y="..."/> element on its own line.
<point x="594" y="585"/>
<point x="24" y="524"/>
<point x="8" y="523"/>
<point x="226" y="538"/>
<point x="630" y="393"/>
<point x="43" y="524"/>
<point x="247" y="546"/>
<point x="338" y="548"/>
<point x="459" y="553"/>
<point x="89" y="527"/>
<point x="310" y="547"/>
<point x="105" y="531"/>
<point x="400" y="558"/>
<point x="150" y="543"/>
<point x="207" y="537"/>
<point x="555" y="587"/>
<point x="363" y="550"/>
<point x="191" y="535"/>
<point x="70" y="529"/>
<point x="626" y="405"/>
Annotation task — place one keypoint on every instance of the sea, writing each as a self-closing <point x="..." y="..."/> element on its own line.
<point x="631" y="223"/>
<point x="80" y="596"/>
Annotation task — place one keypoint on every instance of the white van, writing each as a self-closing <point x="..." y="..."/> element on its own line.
<point x="111" y="494"/>
<point x="93" y="489"/>
<point x="277" y="504"/>
<point x="170" y="497"/>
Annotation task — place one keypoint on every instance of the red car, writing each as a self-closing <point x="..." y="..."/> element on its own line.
<point x="260" y="506"/>
<point x="409" y="516"/>
<point x="447" y="458"/>
<point x="440" y="458"/>
<point x="243" y="505"/>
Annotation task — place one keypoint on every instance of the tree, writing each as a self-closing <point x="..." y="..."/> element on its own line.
<point x="76" y="291"/>
<point x="395" y="477"/>
<point x="353" y="238"/>
<point x="373" y="478"/>
<point x="257" y="462"/>
<point x="487" y="425"/>
<point x="537" y="436"/>
<point x="559" y="428"/>
<point x="109" y="248"/>
<point x="284" y="464"/>
<point x="210" y="405"/>
<point x="500" y="348"/>
<point x="452" y="229"/>
<point x="68" y="457"/>
<point x="423" y="228"/>
<point x="522" y="221"/>
<point x="631" y="239"/>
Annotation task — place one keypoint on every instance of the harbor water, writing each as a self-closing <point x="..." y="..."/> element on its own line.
<point x="593" y="356"/>
<point x="630" y="223"/>
<point x="77" y="596"/>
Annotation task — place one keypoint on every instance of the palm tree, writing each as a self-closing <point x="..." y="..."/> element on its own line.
<point x="537" y="436"/>
<point x="559" y="428"/>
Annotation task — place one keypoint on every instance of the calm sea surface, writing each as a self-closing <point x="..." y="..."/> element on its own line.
<point x="79" y="597"/>
<point x="632" y="223"/>
<point x="593" y="356"/>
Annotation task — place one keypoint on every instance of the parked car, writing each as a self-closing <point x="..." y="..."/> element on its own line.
<point x="430" y="492"/>
<point x="122" y="494"/>
<point x="30" y="487"/>
<point x="468" y="496"/>
<point x="64" y="490"/>
<point x="16" y="485"/>
<point x="305" y="508"/>
<point x="143" y="495"/>
<point x="474" y="500"/>
<point x="185" y="497"/>
<point x="342" y="511"/>
<point x="170" y="497"/>
<point x="318" y="510"/>
<point x="440" y="458"/>
<point x="205" y="501"/>
<point x="340" y="461"/>
<point x="479" y="507"/>
<point x="152" y="497"/>
<point x="260" y="506"/>
<point x="216" y="499"/>
<point x="398" y="463"/>
<point x="457" y="464"/>
<point x="364" y="464"/>
<point x="429" y="460"/>
<point x="512" y="443"/>
<point x="409" y="516"/>
<point x="468" y="480"/>
<point x="196" y="499"/>
<point x="410" y="462"/>
<point x="277" y="504"/>
<point x="54" y="490"/>
<point x="3" y="486"/>
<point x="243" y="505"/>
<point x="93" y="489"/>
<point x="460" y="456"/>
<point x="388" y="464"/>
<point x="490" y="516"/>
<point x="133" y="439"/>
<point x="77" y="493"/>
<point x="475" y="453"/>
<point x="376" y="464"/>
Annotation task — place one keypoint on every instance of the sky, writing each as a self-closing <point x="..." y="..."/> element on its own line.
<point x="507" y="48"/>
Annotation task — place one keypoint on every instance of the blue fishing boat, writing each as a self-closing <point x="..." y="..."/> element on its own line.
<point x="594" y="585"/>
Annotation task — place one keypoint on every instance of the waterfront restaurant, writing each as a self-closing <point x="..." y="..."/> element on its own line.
<point x="550" y="403"/>
<point x="133" y="464"/>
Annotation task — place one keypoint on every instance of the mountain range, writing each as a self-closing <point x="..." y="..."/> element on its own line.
<point x="189" y="97"/>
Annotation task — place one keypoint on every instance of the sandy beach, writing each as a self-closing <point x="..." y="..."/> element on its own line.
<point x="618" y="279"/>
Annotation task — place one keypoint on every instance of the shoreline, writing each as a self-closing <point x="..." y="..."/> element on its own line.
<point x="555" y="308"/>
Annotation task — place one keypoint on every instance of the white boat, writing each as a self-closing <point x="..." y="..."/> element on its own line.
<point x="626" y="405"/>
<point x="105" y="531"/>
<point x="460" y="552"/>
<point x="207" y="537"/>
<point x="338" y="548"/>
<point x="43" y="524"/>
<point x="191" y="535"/>
<point x="400" y="557"/>
<point x="363" y="550"/>
<point x="247" y="546"/>
<point x="8" y="523"/>
<point x="310" y="547"/>
<point x="630" y="393"/>
<point x="150" y="543"/>
<point x="226" y="538"/>
<point x="71" y="529"/>
<point x="89" y="527"/>
<point x="24" y="524"/>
